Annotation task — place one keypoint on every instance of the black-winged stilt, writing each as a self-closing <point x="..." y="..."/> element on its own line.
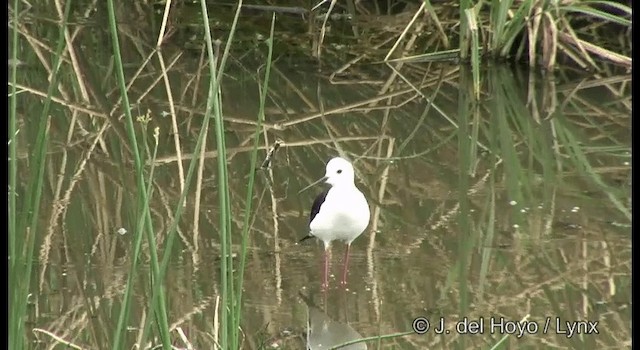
<point x="340" y="212"/>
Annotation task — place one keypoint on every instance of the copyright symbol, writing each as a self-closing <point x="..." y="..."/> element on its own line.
<point x="420" y="325"/>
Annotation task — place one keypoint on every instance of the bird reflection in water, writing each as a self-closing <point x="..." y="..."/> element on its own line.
<point x="323" y="333"/>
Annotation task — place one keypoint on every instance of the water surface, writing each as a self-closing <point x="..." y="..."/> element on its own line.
<point x="512" y="211"/>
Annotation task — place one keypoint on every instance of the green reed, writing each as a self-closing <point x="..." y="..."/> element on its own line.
<point x="214" y="106"/>
<point x="144" y="223"/>
<point x="231" y="302"/>
<point x="252" y="167"/>
<point x="23" y="233"/>
<point x="231" y="294"/>
<point x="466" y="108"/>
<point x="17" y="294"/>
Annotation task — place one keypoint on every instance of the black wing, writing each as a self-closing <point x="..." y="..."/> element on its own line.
<point x="317" y="203"/>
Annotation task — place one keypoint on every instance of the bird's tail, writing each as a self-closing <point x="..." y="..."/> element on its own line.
<point x="306" y="237"/>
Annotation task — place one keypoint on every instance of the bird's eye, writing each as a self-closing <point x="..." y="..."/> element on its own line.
<point x="339" y="171"/>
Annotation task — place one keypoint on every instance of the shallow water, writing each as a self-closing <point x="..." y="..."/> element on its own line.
<point x="498" y="221"/>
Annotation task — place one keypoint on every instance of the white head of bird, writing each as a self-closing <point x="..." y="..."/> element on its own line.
<point x="339" y="172"/>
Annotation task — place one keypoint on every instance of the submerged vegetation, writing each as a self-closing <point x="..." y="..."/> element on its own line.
<point x="136" y="134"/>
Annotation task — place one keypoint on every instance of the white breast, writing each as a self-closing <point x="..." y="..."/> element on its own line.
<point x="344" y="215"/>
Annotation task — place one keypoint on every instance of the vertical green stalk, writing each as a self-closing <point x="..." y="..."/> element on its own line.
<point x="160" y="310"/>
<point x="464" y="29"/>
<point x="15" y="319"/>
<point x="471" y="18"/>
<point x="158" y="301"/>
<point x="211" y="102"/>
<point x="124" y="312"/>
<point x="465" y="105"/>
<point x="226" y="266"/>
<point x="13" y="164"/>
<point x="226" y="263"/>
<point x="499" y="10"/>
<point x="252" y="172"/>
<point x="233" y="333"/>
<point x="171" y="232"/>
<point x="510" y="29"/>
<point x="23" y="246"/>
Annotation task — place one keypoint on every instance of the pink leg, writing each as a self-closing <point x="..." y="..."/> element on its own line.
<point x="346" y="265"/>
<point x="325" y="278"/>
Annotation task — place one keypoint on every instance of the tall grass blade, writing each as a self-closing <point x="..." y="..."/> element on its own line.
<point x="470" y="16"/>
<point x="464" y="29"/>
<point x="465" y="108"/>
<point x="158" y="300"/>
<point x="17" y="296"/>
<point x="23" y="246"/>
<point x="595" y="13"/>
<point x="159" y="309"/>
<point x="499" y="10"/>
<point x="228" y="337"/>
<point x="16" y="339"/>
<point x="252" y="172"/>
<point x="513" y="28"/>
